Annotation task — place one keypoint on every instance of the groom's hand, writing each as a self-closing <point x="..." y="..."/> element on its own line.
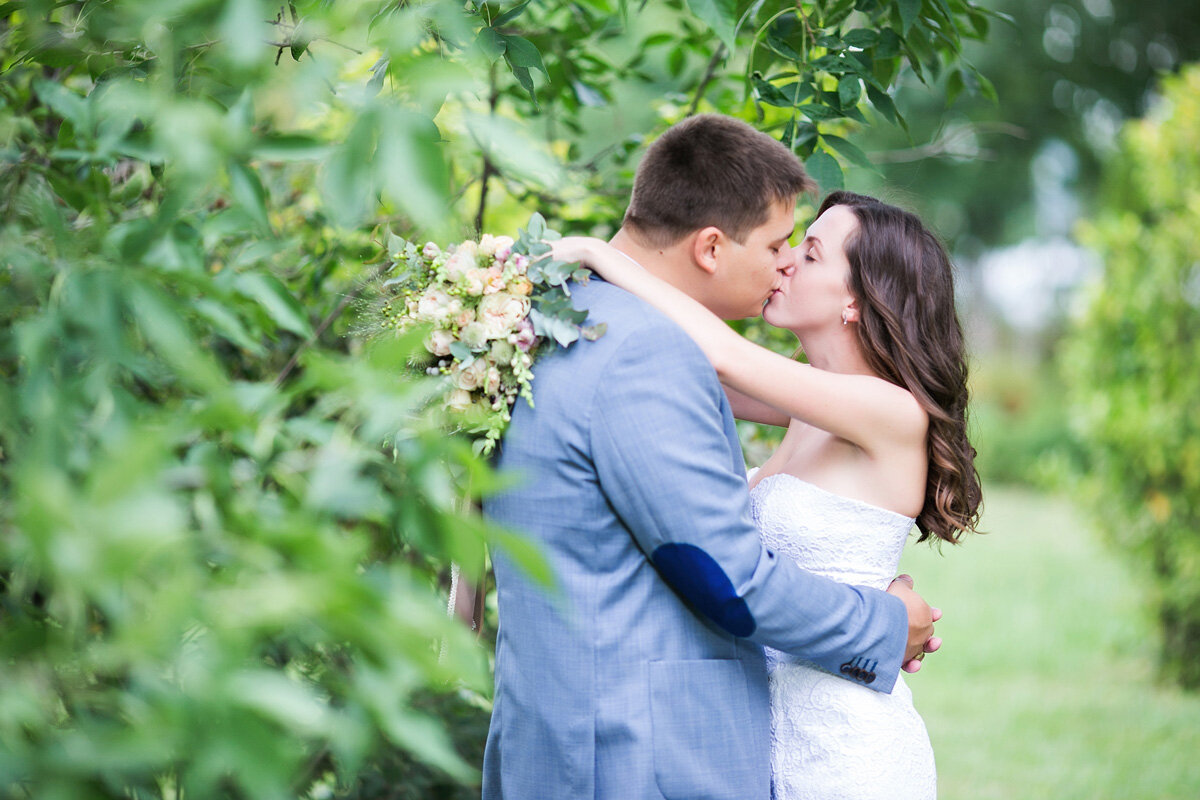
<point x="920" y="623"/>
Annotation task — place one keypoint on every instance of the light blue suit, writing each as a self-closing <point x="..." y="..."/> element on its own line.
<point x="643" y="675"/>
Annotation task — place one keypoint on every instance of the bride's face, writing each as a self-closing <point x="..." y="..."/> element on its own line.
<point x="815" y="292"/>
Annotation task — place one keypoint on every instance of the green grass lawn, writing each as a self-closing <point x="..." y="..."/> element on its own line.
<point x="1045" y="686"/>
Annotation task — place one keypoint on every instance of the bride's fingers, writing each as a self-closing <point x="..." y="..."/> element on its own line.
<point x="912" y="666"/>
<point x="937" y="614"/>
<point x="933" y="644"/>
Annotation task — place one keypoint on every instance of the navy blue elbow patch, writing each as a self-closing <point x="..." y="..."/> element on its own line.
<point x="700" y="580"/>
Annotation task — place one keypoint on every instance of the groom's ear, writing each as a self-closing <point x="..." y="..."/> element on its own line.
<point x="706" y="248"/>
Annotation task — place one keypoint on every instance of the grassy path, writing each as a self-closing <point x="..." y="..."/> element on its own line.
<point x="1045" y="687"/>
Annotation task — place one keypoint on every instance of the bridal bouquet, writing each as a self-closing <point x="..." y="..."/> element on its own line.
<point x="490" y="308"/>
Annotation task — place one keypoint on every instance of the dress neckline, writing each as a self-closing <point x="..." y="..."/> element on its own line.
<point x="842" y="497"/>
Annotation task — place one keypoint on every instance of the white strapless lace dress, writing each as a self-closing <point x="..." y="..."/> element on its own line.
<point x="832" y="739"/>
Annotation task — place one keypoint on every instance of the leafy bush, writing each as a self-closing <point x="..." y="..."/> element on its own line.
<point x="1019" y="423"/>
<point x="1132" y="362"/>
<point x="225" y="525"/>
<point x="215" y="578"/>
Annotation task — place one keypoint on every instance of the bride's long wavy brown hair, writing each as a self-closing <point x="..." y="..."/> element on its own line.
<point x="910" y="335"/>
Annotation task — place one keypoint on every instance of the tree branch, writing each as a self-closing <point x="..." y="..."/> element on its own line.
<point x="713" y="62"/>
<point x="489" y="169"/>
<point x="955" y="143"/>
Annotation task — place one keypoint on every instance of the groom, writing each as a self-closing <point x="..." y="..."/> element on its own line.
<point x="641" y="673"/>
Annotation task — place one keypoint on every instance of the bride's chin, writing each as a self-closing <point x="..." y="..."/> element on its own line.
<point x="768" y="313"/>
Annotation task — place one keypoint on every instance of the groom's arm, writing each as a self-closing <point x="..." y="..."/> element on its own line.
<point x="668" y="469"/>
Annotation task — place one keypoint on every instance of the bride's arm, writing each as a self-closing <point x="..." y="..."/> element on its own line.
<point x="862" y="409"/>
<point x="746" y="407"/>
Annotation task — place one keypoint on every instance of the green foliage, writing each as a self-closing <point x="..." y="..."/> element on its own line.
<point x="806" y="72"/>
<point x="1067" y="72"/>
<point x="215" y="578"/>
<point x="225" y="523"/>
<point x="1132" y="362"/>
<point x="1019" y="424"/>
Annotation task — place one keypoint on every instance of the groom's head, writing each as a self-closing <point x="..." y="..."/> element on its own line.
<point x="719" y="196"/>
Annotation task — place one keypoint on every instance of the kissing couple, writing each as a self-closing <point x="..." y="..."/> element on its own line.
<point x="715" y="634"/>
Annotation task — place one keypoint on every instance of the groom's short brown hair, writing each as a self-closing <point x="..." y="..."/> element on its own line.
<point x="711" y="170"/>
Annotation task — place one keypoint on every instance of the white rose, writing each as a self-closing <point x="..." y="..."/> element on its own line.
<point x="433" y="306"/>
<point x="439" y="342"/>
<point x="487" y="245"/>
<point x="459" y="264"/>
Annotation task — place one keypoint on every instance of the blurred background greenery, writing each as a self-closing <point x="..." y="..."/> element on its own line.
<point x="227" y="522"/>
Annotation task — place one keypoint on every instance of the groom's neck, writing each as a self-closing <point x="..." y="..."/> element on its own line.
<point x="672" y="264"/>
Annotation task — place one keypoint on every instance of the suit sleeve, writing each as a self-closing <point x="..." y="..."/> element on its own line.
<point x="667" y="468"/>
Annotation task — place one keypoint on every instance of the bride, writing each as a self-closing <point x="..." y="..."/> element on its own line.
<point x="876" y="441"/>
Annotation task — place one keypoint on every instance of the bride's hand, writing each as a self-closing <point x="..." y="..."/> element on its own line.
<point x="920" y="623"/>
<point x="596" y="254"/>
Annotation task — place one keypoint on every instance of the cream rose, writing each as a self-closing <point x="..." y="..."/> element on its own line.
<point x="433" y="306"/>
<point x="471" y="377"/>
<point x="502" y="312"/>
<point x="473" y="282"/>
<point x="493" y="280"/>
<point x="465" y="318"/>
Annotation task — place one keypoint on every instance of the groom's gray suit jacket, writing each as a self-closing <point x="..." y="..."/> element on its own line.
<point x="642" y="674"/>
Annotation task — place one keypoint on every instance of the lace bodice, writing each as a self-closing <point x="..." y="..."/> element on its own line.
<point x="832" y="739"/>
<point x="838" y="537"/>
